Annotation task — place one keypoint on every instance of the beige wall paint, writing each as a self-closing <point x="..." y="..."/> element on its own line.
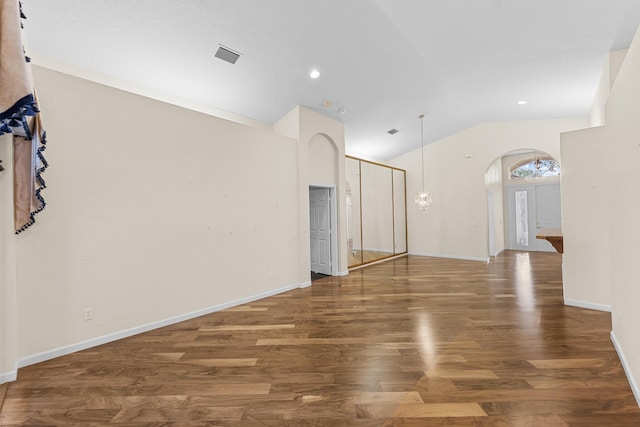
<point x="585" y="219"/>
<point x="456" y="225"/>
<point x="623" y="155"/>
<point x="494" y="187"/>
<point x="323" y="161"/>
<point x="610" y="70"/>
<point x="8" y="303"/>
<point x="131" y="87"/>
<point x="601" y="214"/>
<point x="596" y="115"/>
<point x="616" y="59"/>
<point x="153" y="211"/>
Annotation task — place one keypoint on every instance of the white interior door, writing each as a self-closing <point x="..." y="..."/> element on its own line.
<point x="320" y="225"/>
<point x="532" y="208"/>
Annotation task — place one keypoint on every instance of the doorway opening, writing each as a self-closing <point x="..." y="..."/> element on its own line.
<point x="523" y="197"/>
<point x="323" y="229"/>
<point x="533" y="208"/>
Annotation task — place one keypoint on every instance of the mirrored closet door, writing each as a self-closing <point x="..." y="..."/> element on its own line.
<point x="376" y="211"/>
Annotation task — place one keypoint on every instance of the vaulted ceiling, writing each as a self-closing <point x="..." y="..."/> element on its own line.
<point x="381" y="62"/>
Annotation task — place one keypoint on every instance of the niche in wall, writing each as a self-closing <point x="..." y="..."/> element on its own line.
<point x="376" y="211"/>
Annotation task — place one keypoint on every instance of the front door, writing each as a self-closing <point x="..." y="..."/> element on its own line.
<point x="548" y="212"/>
<point x="320" y="224"/>
<point x="532" y="208"/>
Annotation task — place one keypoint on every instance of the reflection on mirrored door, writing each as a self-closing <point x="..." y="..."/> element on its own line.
<point x="354" y="230"/>
<point x="399" y="212"/>
<point x="376" y="211"/>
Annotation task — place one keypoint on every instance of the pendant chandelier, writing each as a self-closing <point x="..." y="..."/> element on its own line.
<point x="423" y="199"/>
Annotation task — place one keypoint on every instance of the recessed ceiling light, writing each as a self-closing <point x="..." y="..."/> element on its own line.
<point x="522" y="102"/>
<point x="314" y="74"/>
<point x="326" y="103"/>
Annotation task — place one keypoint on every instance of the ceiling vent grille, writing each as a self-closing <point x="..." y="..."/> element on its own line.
<point x="393" y="131"/>
<point x="227" y="54"/>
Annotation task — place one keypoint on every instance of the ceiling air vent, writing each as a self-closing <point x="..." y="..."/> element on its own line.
<point x="393" y="131"/>
<point x="227" y="54"/>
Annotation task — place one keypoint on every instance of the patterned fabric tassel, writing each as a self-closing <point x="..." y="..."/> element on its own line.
<point x="20" y="116"/>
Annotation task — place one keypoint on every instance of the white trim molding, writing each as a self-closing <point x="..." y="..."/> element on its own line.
<point x="589" y="305"/>
<point x="7" y="377"/>
<point x="93" y="342"/>
<point x="627" y="368"/>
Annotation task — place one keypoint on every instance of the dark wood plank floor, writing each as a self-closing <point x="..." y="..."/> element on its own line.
<point x="411" y="342"/>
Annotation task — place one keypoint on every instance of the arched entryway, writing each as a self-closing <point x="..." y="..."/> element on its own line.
<point x="523" y="197"/>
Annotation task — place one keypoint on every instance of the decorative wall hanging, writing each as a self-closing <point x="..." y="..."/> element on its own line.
<point x="20" y="116"/>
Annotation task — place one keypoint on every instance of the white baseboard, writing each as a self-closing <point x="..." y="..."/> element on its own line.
<point x="305" y="284"/>
<point x="627" y="369"/>
<point x="461" y="257"/>
<point x="7" y="377"/>
<point x="343" y="273"/>
<point x="589" y="305"/>
<point x="93" y="342"/>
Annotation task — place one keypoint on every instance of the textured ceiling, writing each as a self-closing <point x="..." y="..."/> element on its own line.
<point x="383" y="61"/>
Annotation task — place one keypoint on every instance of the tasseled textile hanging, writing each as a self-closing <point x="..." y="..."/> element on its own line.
<point x="20" y="116"/>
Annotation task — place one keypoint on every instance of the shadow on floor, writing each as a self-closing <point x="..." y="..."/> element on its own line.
<point x="316" y="276"/>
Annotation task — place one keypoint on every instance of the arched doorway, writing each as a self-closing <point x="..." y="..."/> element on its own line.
<point x="523" y="197"/>
<point x="323" y="202"/>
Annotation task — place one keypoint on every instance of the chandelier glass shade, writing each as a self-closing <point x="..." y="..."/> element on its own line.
<point x="423" y="199"/>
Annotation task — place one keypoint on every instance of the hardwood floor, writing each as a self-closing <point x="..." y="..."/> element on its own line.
<point x="411" y="342"/>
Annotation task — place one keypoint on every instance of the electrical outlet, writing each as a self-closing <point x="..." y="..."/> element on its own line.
<point x="87" y="313"/>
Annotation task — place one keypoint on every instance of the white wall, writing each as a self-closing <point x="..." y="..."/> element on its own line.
<point x="608" y="77"/>
<point x="154" y="211"/>
<point x="323" y="161"/>
<point x="601" y="212"/>
<point x="8" y="308"/>
<point x="456" y="225"/>
<point x="623" y="155"/>
<point x="585" y="219"/>
<point x="305" y="126"/>
<point x="494" y="187"/>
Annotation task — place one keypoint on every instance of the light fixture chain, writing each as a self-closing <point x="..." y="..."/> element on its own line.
<point x="422" y="141"/>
